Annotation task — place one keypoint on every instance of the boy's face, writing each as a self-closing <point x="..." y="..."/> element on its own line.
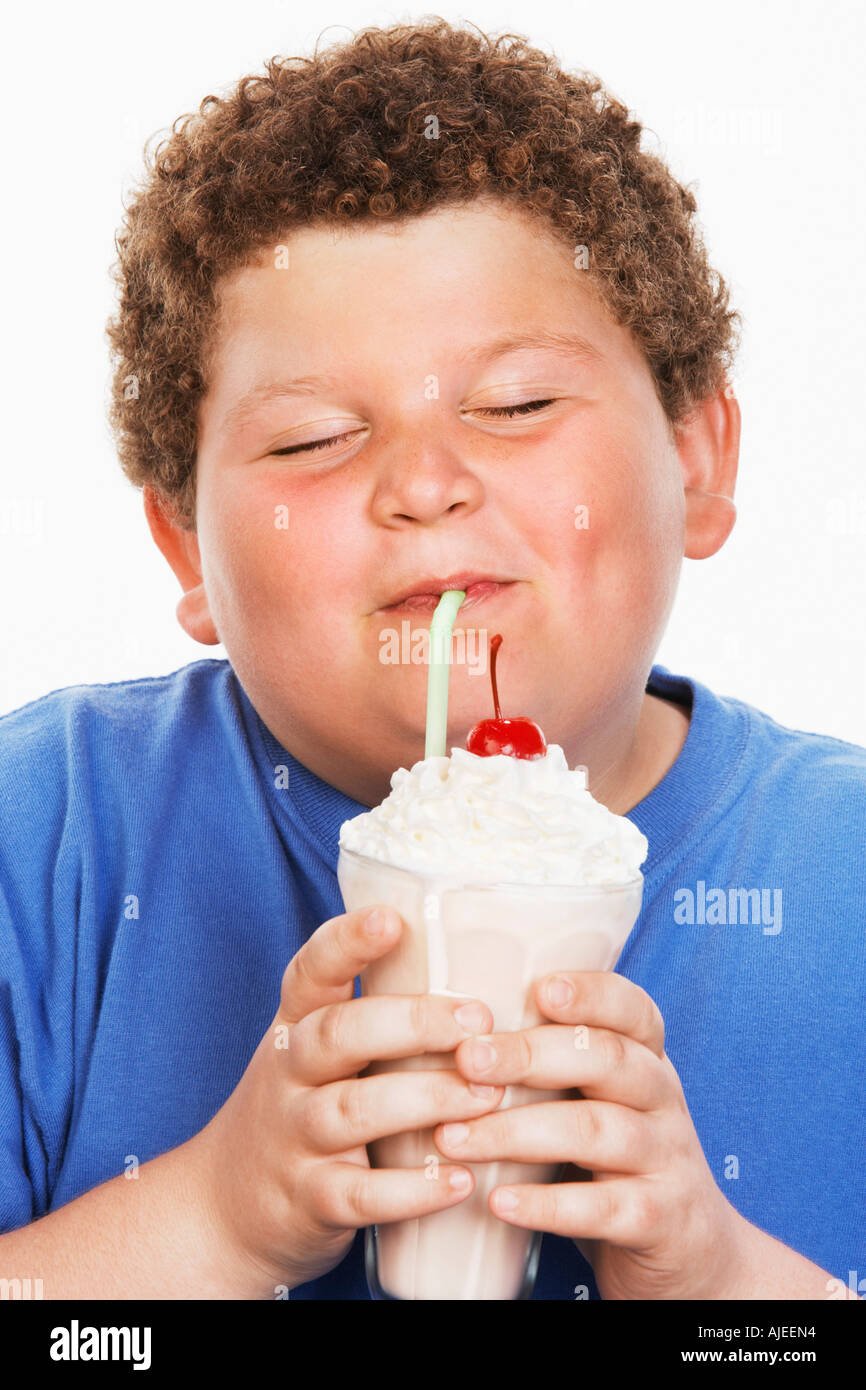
<point x="578" y="506"/>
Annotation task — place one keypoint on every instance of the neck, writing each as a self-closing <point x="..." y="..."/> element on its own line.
<point x="625" y="757"/>
<point x="626" y="761"/>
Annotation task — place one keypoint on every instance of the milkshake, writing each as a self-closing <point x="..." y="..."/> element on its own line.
<point x="504" y="868"/>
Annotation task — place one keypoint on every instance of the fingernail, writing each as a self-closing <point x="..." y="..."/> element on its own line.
<point x="471" y="1017"/>
<point x="482" y="1055"/>
<point x="482" y="1092"/>
<point x="506" y="1200"/>
<point x="459" y="1180"/>
<point x="375" y="922"/>
<point x="560" y="991"/>
<point x="452" y="1135"/>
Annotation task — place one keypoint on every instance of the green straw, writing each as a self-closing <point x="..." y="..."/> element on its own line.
<point x="439" y="670"/>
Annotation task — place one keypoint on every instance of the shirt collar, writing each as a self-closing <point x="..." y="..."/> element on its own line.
<point x="695" y="785"/>
<point x="671" y="811"/>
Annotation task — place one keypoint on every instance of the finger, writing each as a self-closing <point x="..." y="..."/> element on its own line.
<point x="347" y="1196"/>
<point x="603" y="999"/>
<point x="339" y="1040"/>
<point x="324" y="969"/>
<point x="605" y="1065"/>
<point x="623" y="1211"/>
<point x="592" y="1133"/>
<point x="345" y="1114"/>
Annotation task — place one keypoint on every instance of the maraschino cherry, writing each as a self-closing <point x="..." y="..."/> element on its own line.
<point x="517" y="738"/>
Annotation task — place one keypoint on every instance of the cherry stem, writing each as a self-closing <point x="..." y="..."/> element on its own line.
<point x="495" y="644"/>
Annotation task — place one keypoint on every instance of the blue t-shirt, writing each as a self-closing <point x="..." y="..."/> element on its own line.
<point x="158" y="869"/>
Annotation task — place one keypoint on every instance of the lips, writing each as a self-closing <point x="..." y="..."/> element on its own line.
<point x="426" y="593"/>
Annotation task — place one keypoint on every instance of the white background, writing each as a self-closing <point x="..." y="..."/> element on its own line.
<point x="758" y="105"/>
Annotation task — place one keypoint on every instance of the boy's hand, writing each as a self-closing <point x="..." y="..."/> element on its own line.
<point x="283" y="1164"/>
<point x="653" y="1224"/>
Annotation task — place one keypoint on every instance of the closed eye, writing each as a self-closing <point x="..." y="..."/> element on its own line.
<point x="524" y="408"/>
<point x="509" y="411"/>
<point x="315" y="444"/>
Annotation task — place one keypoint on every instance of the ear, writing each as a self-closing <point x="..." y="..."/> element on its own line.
<point x="708" y="447"/>
<point x="180" y="549"/>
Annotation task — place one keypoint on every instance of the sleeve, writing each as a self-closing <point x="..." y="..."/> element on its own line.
<point x="21" y="1152"/>
<point x="37" y="956"/>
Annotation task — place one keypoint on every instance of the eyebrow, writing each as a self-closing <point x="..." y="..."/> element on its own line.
<point x="570" y="344"/>
<point x="567" y="344"/>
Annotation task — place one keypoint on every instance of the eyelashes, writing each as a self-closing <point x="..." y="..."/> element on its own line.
<point x="529" y="406"/>
<point x="498" y="411"/>
<point x="317" y="444"/>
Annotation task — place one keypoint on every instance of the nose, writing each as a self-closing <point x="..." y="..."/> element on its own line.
<point x="422" y="479"/>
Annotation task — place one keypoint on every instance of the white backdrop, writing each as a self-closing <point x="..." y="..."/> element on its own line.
<point x="758" y="105"/>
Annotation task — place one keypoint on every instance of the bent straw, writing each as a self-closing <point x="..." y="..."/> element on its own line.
<point x="438" y="671"/>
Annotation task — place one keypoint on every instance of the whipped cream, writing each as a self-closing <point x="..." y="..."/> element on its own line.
<point x="498" y="820"/>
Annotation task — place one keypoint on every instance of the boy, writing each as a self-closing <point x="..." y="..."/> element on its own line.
<point x="414" y="313"/>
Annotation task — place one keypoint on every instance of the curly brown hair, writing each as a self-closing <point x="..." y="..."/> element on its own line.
<point x="340" y="137"/>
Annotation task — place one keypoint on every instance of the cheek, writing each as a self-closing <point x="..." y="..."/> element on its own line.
<point x="246" y="534"/>
<point x="647" y="530"/>
<point x="290" y="549"/>
<point x="610" y="522"/>
<point x="638" y="481"/>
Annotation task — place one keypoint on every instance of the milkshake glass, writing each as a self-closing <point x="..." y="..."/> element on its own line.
<point x="490" y="940"/>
